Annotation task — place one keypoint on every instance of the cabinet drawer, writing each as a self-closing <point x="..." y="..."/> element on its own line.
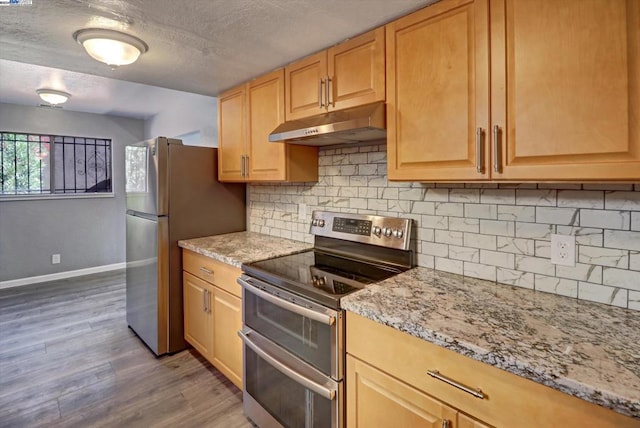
<point x="509" y="400"/>
<point x="220" y="274"/>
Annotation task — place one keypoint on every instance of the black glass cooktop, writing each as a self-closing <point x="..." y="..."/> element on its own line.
<point x="321" y="277"/>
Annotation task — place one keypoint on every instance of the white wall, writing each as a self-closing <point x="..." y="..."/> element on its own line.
<point x="86" y="232"/>
<point x="192" y="117"/>
<point x="498" y="232"/>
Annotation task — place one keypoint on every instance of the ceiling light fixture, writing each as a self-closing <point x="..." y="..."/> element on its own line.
<point x="109" y="46"/>
<point x="53" y="97"/>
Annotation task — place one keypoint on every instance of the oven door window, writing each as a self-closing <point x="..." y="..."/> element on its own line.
<point x="287" y="401"/>
<point x="312" y="341"/>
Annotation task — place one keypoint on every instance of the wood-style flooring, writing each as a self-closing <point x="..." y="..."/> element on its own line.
<point x="68" y="359"/>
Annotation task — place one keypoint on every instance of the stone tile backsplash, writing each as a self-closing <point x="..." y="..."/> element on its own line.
<point x="497" y="232"/>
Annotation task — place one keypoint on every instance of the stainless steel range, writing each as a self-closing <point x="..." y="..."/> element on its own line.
<point x="293" y="327"/>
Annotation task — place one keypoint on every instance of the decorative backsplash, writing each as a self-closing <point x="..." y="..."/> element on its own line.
<point x="498" y="232"/>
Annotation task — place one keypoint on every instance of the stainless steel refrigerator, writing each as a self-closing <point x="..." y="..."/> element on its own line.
<point x="172" y="193"/>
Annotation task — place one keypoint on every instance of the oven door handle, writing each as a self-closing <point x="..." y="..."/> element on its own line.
<point x="284" y="304"/>
<point x="327" y="393"/>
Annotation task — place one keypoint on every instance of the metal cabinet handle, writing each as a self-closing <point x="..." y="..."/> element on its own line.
<point x="204" y="300"/>
<point x="244" y="165"/>
<point x="328" y="91"/>
<point x="446" y="423"/>
<point x="496" y="148"/>
<point x="480" y="150"/>
<point x="320" y="83"/>
<point x="329" y="394"/>
<point x="205" y="270"/>
<point x="475" y="392"/>
<point x="284" y="304"/>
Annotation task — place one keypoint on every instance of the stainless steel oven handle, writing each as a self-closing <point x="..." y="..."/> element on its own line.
<point x="300" y="310"/>
<point x="327" y="393"/>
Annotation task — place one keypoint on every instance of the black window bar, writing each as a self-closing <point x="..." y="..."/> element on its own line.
<point x="74" y="164"/>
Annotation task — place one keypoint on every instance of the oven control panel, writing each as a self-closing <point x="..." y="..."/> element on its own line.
<point x="389" y="232"/>
<point x="352" y="225"/>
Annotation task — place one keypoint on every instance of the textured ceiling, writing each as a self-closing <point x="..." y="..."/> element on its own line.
<point x="199" y="46"/>
<point x="90" y="94"/>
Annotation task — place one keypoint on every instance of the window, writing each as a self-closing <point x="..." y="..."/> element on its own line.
<point x="36" y="164"/>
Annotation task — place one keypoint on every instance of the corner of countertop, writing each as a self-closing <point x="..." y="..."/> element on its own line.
<point x="238" y="248"/>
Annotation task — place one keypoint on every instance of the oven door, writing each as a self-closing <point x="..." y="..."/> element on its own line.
<point x="279" y="390"/>
<point x="305" y="329"/>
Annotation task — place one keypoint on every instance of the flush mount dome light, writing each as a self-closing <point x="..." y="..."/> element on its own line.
<point x="109" y="46"/>
<point x="52" y="96"/>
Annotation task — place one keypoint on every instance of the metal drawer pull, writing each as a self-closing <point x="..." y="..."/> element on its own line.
<point x="205" y="270"/>
<point x="329" y="394"/>
<point x="284" y="304"/>
<point x="480" y="150"/>
<point x="475" y="392"/>
<point x="496" y="148"/>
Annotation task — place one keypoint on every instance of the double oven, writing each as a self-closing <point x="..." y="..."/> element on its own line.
<point x="293" y="326"/>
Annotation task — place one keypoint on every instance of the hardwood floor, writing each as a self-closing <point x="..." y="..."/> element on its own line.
<point x="68" y="359"/>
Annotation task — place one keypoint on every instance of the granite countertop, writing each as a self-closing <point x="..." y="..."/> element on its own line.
<point x="243" y="247"/>
<point x="588" y="350"/>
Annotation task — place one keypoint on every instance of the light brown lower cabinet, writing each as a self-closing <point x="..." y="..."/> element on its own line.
<point x="388" y="386"/>
<point x="213" y="313"/>
<point x="198" y="324"/>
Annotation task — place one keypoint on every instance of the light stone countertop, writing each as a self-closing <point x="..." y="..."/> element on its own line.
<point x="588" y="350"/>
<point x="243" y="247"/>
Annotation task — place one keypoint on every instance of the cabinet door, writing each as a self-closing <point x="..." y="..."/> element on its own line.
<point x="267" y="161"/>
<point x="438" y="93"/>
<point x="465" y="421"/>
<point x="231" y="134"/>
<point x="378" y="400"/>
<point x="356" y="71"/>
<point x="227" y="346"/>
<point x="566" y="88"/>
<point x="305" y="87"/>
<point x="198" y="327"/>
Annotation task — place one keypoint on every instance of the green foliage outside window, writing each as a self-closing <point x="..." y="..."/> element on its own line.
<point x="24" y="164"/>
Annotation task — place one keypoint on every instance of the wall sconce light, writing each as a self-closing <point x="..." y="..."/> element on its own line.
<point x="109" y="46"/>
<point x="53" y="97"/>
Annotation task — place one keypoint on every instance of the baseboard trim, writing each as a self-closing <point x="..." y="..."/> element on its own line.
<point x="60" y="275"/>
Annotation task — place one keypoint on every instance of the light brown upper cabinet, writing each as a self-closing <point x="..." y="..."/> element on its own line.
<point x="346" y="75"/>
<point x="438" y="92"/>
<point x="232" y="138"/>
<point x="246" y="116"/>
<point x="551" y="92"/>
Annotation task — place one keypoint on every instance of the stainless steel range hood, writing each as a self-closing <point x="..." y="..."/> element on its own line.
<point x="364" y="123"/>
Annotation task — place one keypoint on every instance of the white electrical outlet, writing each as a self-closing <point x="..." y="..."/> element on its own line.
<point x="563" y="250"/>
<point x="55" y="259"/>
<point x="302" y="211"/>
